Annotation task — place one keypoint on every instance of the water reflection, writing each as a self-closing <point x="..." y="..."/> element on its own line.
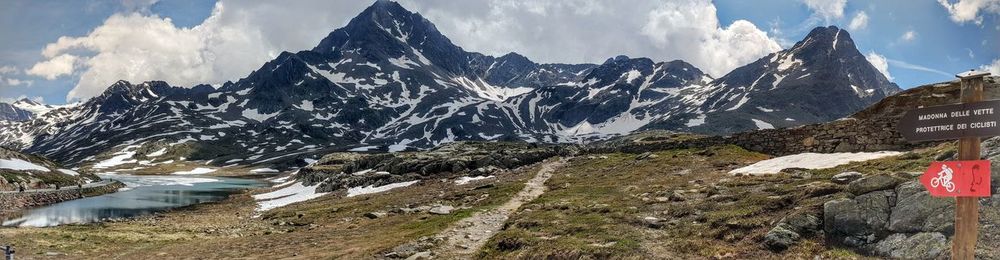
<point x="143" y="195"/>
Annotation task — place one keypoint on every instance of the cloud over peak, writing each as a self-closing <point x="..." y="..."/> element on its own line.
<point x="829" y="10"/>
<point x="239" y="36"/>
<point x="880" y="63"/>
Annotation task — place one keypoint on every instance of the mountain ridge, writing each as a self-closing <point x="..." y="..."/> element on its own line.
<point x="388" y="80"/>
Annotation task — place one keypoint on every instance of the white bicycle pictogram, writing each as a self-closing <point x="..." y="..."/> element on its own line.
<point x="944" y="179"/>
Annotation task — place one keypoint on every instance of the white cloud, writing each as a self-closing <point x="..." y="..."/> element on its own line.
<point x="880" y="63"/>
<point x="57" y="65"/>
<point x="908" y="36"/>
<point x="993" y="68"/>
<point x="18" y="82"/>
<point x="7" y="81"/>
<point x="8" y="69"/>
<point x="829" y="10"/>
<point x="691" y="31"/>
<point x="860" y="21"/>
<point x="575" y="31"/>
<point x="239" y="36"/>
<point x="968" y="10"/>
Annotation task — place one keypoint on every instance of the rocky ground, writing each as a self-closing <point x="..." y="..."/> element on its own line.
<point x="332" y="226"/>
<point x="677" y="203"/>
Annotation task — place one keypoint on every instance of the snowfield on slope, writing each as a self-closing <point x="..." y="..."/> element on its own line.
<point x="355" y="191"/>
<point x="20" y="165"/>
<point x="288" y="195"/>
<point x="809" y="161"/>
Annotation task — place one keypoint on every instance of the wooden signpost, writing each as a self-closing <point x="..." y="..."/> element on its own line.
<point x="967" y="122"/>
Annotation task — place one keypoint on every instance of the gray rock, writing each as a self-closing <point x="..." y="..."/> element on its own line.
<point x="948" y="155"/>
<point x="652" y="222"/>
<point x="780" y="238"/>
<point x="857" y="221"/>
<point x="803" y="223"/>
<point x="421" y="255"/>
<point x="873" y="183"/>
<point x="413" y="250"/>
<point x="789" y="230"/>
<point x="677" y="196"/>
<point x="485" y="171"/>
<point x="646" y="155"/>
<point x="927" y="245"/>
<point x="375" y="215"/>
<point x="846" y="177"/>
<point x="442" y="210"/>
<point x="820" y="188"/>
<point x="917" y="211"/>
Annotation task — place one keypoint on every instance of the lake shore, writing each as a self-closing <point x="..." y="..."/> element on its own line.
<point x="14" y="202"/>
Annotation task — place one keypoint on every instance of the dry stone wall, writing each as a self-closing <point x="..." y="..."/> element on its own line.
<point x="12" y="201"/>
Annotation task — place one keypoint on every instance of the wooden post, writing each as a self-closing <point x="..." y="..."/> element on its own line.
<point x="967" y="208"/>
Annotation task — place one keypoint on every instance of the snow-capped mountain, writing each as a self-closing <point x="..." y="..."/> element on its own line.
<point x="25" y="109"/>
<point x="10" y="112"/>
<point x="390" y="80"/>
<point x="821" y="78"/>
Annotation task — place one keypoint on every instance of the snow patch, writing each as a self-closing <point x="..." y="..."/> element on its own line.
<point x="809" y="161"/>
<point x="253" y="114"/>
<point x="198" y="170"/>
<point x="466" y="179"/>
<point x="120" y="158"/>
<point x="363" y="148"/>
<point x="697" y="121"/>
<point x="20" y="165"/>
<point x="306" y="105"/>
<point x="160" y="152"/>
<point x="355" y="191"/>
<point x="69" y="172"/>
<point x="288" y="195"/>
<point x="762" y="125"/>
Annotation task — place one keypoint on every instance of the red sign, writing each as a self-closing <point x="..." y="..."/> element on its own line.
<point x="958" y="179"/>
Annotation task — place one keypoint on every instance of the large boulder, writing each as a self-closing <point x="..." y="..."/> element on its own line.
<point x="917" y="211"/>
<point x="927" y="245"/>
<point x="780" y="238"/>
<point x="790" y="229"/>
<point x="873" y="183"/>
<point x="858" y="221"/>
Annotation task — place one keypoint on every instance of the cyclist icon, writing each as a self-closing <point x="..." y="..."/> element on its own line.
<point x="944" y="179"/>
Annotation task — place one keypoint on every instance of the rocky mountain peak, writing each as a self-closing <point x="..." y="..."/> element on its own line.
<point x="26" y="101"/>
<point x="824" y="43"/>
<point x="124" y="95"/>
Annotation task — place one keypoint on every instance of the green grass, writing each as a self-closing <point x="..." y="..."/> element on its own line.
<point x="595" y="207"/>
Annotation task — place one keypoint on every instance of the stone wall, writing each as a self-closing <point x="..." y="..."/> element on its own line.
<point x="846" y="135"/>
<point x="12" y="201"/>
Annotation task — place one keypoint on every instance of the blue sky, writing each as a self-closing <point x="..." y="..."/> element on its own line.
<point x="190" y="42"/>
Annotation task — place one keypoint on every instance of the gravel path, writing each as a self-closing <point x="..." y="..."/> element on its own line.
<point x="466" y="236"/>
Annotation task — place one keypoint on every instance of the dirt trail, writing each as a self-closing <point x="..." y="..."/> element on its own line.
<point x="466" y="236"/>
